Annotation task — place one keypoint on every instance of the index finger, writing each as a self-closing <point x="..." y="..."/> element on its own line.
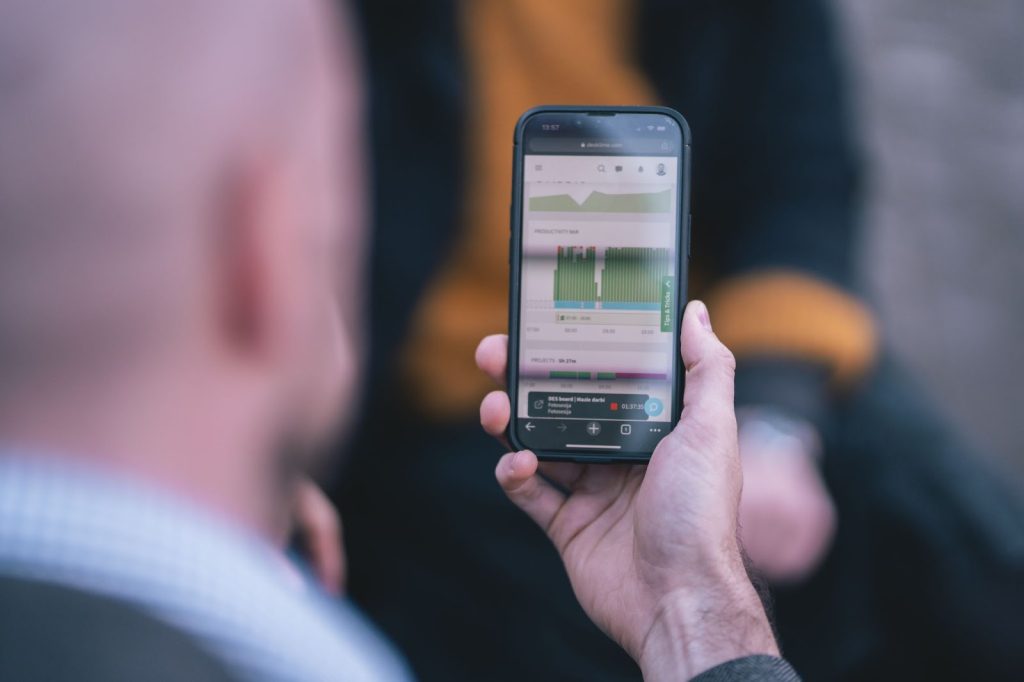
<point x="492" y="357"/>
<point x="319" y="525"/>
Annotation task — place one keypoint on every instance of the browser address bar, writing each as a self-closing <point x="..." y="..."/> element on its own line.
<point x="582" y="145"/>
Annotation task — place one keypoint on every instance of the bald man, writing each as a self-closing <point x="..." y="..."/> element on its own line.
<point x="178" y="181"/>
<point x="180" y="230"/>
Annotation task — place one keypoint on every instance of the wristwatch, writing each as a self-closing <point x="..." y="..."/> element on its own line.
<point x="772" y="431"/>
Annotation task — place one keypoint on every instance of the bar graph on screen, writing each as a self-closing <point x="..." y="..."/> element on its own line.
<point x="621" y="278"/>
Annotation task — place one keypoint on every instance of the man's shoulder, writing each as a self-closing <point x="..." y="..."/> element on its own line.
<point x="58" y="633"/>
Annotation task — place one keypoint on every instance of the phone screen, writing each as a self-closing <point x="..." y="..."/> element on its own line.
<point x="601" y="271"/>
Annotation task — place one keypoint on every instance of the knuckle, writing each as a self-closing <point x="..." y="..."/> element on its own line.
<point x="726" y="358"/>
<point x="326" y="519"/>
<point x="529" y="490"/>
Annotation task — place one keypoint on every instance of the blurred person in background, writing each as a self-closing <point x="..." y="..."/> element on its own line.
<point x="180" y="193"/>
<point x="891" y="550"/>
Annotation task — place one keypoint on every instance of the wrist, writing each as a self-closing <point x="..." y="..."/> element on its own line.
<point x="695" y="630"/>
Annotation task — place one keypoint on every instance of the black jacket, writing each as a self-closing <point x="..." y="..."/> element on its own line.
<point x="54" y="633"/>
<point x="57" y="634"/>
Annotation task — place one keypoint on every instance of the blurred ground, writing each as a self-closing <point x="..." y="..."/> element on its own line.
<point x="940" y="89"/>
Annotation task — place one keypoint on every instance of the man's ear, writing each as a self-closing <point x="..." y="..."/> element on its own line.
<point x="250" y="260"/>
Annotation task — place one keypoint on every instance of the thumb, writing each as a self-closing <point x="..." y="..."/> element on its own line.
<point x="710" y="370"/>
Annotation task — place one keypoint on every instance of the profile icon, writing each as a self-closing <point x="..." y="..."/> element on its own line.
<point x="661" y="169"/>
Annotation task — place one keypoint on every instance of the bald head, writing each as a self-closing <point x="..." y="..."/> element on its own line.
<point x="125" y="127"/>
<point x="180" y="227"/>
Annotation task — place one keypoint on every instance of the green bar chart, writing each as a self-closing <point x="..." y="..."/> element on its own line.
<point x="632" y="278"/>
<point x="575" y="271"/>
<point x="633" y="275"/>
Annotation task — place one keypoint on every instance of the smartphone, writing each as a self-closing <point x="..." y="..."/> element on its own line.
<point x="598" y="254"/>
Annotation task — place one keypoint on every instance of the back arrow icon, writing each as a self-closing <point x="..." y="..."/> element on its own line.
<point x="530" y="426"/>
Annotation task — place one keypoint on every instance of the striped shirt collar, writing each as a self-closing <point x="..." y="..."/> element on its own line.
<point x="235" y="594"/>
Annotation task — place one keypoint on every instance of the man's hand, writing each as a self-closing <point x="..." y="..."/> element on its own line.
<point x="787" y="518"/>
<point x="318" y="526"/>
<point x="652" y="552"/>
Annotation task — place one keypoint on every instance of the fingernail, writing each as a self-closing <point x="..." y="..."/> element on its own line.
<point x="703" y="316"/>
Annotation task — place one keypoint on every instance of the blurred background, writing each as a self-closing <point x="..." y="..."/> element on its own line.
<point x="888" y="548"/>
<point x="940" y="92"/>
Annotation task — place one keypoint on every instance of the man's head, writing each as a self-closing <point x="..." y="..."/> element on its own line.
<point x="180" y="230"/>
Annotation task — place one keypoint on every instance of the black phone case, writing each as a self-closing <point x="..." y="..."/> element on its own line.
<point x="515" y="272"/>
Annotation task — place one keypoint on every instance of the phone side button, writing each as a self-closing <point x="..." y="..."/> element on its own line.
<point x="510" y="234"/>
<point x="689" y="235"/>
